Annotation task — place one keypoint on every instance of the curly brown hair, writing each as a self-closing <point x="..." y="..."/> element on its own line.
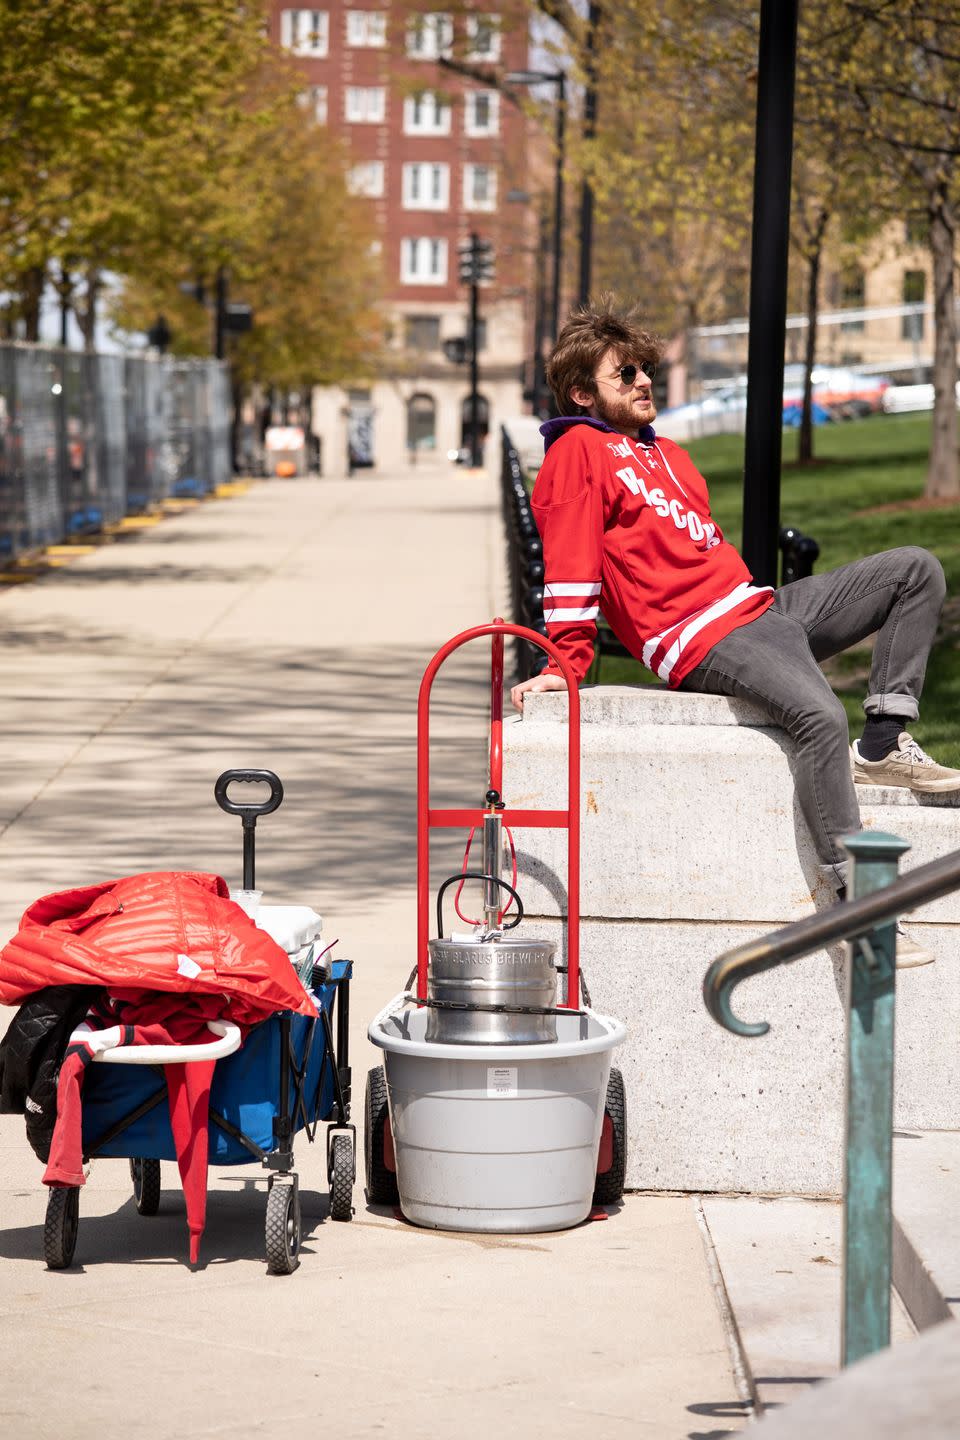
<point x="590" y="332"/>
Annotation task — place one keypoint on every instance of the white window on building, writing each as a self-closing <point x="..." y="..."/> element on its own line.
<point x="483" y="37"/>
<point x="482" y="112"/>
<point x="314" y="99"/>
<point x="430" y="36"/>
<point x="479" y="187"/>
<point x="425" y="114"/>
<point x="365" y="104"/>
<point x="367" y="28"/>
<point x="367" y="179"/>
<point x="426" y="186"/>
<point x="305" y="32"/>
<point x="423" y="261"/>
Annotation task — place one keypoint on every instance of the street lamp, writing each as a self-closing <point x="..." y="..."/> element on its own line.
<point x="557" y="78"/>
<point x="538" y="380"/>
<point x="589" y="131"/>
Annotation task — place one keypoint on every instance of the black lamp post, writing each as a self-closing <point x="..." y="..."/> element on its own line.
<point x="589" y="130"/>
<point x="557" y="78"/>
<point x="768" y="288"/>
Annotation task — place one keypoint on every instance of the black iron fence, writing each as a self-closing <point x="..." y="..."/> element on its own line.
<point x="524" y="558"/>
<point x="88" y="439"/>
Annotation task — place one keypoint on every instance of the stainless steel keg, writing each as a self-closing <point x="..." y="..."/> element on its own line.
<point x="486" y="972"/>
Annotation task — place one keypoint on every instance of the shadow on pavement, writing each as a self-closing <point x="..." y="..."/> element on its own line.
<point x="337" y="725"/>
<point x="234" y="1231"/>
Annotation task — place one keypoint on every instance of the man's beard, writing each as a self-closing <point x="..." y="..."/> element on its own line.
<point x="621" y="413"/>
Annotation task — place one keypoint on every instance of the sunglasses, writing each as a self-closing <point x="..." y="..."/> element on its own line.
<point x="628" y="373"/>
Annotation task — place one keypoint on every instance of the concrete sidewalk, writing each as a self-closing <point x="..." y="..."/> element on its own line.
<point x="288" y="627"/>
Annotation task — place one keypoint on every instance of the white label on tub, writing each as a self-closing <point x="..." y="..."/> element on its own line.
<point x="501" y="1080"/>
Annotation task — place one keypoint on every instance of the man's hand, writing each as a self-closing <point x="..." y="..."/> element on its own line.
<point x="538" y="682"/>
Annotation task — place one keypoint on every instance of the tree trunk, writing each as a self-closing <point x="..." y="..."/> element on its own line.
<point x="943" y="478"/>
<point x="30" y="297"/>
<point x="236" y="420"/>
<point x="87" y="312"/>
<point x="805" y="447"/>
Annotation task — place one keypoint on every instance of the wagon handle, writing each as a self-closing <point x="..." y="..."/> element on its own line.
<point x="249" y="813"/>
<point x="228" y="1041"/>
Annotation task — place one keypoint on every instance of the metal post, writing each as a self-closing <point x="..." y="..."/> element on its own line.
<point x="476" y="456"/>
<point x="65" y="290"/>
<point x="589" y="130"/>
<point x="558" y="202"/>
<point x="768" y="287"/>
<point x="220" y="326"/>
<point x="868" y="1151"/>
<point x="540" y="403"/>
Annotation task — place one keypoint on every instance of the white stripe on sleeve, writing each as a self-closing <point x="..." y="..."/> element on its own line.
<point x="570" y="587"/>
<point x="567" y="614"/>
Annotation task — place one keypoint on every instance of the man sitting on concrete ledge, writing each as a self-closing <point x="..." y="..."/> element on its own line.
<point x="624" y="517"/>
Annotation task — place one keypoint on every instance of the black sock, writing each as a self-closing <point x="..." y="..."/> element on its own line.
<point x="880" y="735"/>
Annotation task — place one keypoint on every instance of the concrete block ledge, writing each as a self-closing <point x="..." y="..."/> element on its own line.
<point x="692" y="842"/>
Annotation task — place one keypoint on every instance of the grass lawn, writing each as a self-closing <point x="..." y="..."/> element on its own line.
<point x="862" y="465"/>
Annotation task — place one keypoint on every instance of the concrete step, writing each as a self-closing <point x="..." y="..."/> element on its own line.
<point x="926" y="1231"/>
<point x="780" y="1263"/>
<point x="911" y="1391"/>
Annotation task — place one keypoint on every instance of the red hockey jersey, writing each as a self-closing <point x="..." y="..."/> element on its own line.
<point x="626" y="529"/>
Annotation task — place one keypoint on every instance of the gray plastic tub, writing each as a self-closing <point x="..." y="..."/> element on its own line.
<point x="500" y="1138"/>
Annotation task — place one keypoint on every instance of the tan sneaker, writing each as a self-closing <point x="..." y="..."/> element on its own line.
<point x="908" y="765"/>
<point x="910" y="953"/>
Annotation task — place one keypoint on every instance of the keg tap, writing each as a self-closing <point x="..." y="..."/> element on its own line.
<point x="492" y="861"/>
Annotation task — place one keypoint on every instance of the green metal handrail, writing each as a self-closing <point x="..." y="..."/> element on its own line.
<point x="869" y="922"/>
<point x="841" y="922"/>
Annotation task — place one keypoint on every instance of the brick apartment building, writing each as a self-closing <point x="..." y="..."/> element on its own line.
<point x="437" y="157"/>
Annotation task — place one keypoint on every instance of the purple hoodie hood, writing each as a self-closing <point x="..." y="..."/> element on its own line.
<point x="551" y="430"/>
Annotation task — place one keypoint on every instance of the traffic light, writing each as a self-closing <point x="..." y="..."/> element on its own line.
<point x="456" y="350"/>
<point x="476" y="261"/>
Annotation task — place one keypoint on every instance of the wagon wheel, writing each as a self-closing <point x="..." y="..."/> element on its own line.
<point x="378" y="1141"/>
<point x="608" y="1189"/>
<point x="60" y="1226"/>
<point x="342" y="1171"/>
<point x="283" y="1230"/>
<point x="145" y="1175"/>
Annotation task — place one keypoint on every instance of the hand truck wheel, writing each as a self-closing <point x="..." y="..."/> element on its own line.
<point x="378" y="1143"/>
<point x="608" y="1189"/>
<point x="283" y="1229"/>
<point x="342" y="1171"/>
<point x="60" y="1226"/>
<point x="145" y="1175"/>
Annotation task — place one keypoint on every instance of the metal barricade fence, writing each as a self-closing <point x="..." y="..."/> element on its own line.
<point x="147" y="468"/>
<point x="86" y="439"/>
<point x="36" y="435"/>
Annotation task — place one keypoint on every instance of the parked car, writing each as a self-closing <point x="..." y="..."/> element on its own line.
<point x="836" y="386"/>
<point x="839" y="393"/>
<point x="901" y="399"/>
<point x="721" y="413"/>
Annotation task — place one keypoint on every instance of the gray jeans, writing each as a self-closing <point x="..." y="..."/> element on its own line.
<point x="773" y="662"/>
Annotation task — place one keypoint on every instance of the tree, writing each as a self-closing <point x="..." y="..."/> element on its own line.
<point x="834" y="181"/>
<point x="670" y="175"/>
<point x="901" y="85"/>
<point x="107" y="108"/>
<point x="297" y="248"/>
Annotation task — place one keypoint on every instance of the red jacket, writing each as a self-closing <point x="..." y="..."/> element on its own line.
<point x="626" y="529"/>
<point x="162" y="931"/>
